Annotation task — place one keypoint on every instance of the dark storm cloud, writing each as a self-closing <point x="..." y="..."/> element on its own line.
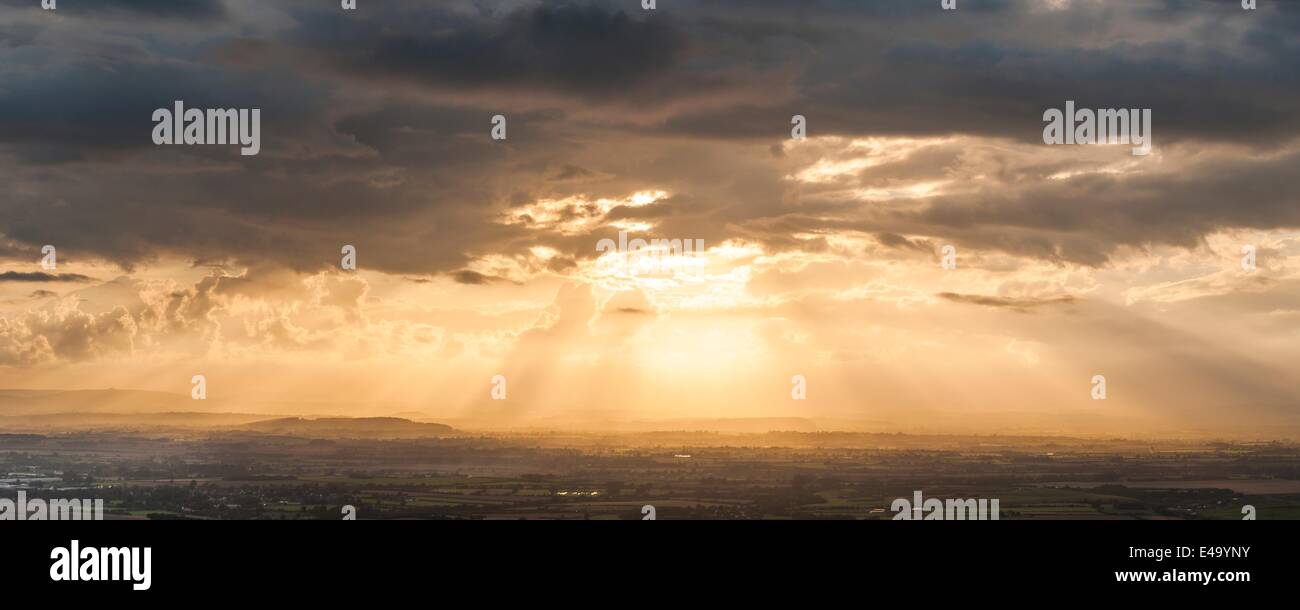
<point x="72" y="112"/>
<point x="420" y="136"/>
<point x="583" y="49"/>
<point x="375" y="123"/>
<point x="1084" y="219"/>
<point x="886" y="78"/>
<point x="171" y="9"/>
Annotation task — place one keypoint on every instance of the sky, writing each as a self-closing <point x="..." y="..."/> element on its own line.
<point x="829" y="257"/>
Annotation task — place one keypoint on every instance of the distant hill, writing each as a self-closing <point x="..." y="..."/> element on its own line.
<point x="733" y="425"/>
<point x="46" y="402"/>
<point x="69" y="410"/>
<point x="123" y="421"/>
<point x="608" y="423"/>
<point x="135" y="402"/>
<point x="349" y="427"/>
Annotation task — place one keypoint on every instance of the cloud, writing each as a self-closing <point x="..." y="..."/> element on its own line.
<point x="40" y="276"/>
<point x="480" y="255"/>
<point x="583" y="49"/>
<point x="63" y="332"/>
<point x="376" y="123"/>
<point x="1016" y="304"/>
<point x="472" y="277"/>
<point x="167" y="9"/>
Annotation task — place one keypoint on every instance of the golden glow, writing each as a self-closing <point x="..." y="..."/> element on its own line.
<point x="578" y="214"/>
<point x="879" y="328"/>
